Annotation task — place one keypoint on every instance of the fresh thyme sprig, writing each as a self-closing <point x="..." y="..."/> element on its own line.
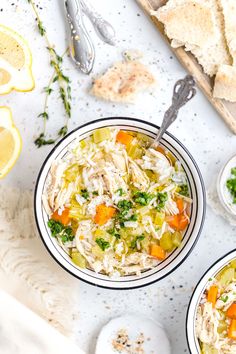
<point x="58" y="76"/>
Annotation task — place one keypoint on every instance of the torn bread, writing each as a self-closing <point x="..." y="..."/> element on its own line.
<point x="225" y="83"/>
<point x="123" y="81"/>
<point x="187" y="21"/>
<point x="215" y="53"/>
<point x="210" y="53"/>
<point x="229" y="11"/>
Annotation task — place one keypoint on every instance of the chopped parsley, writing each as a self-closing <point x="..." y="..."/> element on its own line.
<point x="102" y="243"/>
<point x="133" y="244"/>
<point x="120" y="192"/>
<point x="95" y="193"/>
<point x="161" y="200"/>
<point x="65" y="233"/>
<point x="143" y="198"/>
<point x="85" y="194"/>
<point x="114" y="232"/>
<point x="124" y="207"/>
<point x="224" y="299"/>
<point x="231" y="184"/>
<point x="183" y="190"/>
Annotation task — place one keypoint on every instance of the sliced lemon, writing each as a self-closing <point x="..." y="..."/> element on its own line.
<point x="15" y="62"/>
<point x="10" y="142"/>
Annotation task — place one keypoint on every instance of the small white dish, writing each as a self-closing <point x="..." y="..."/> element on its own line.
<point x="223" y="192"/>
<point x="153" y="334"/>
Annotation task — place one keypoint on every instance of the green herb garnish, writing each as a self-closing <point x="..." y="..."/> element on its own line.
<point x="114" y="233"/>
<point x="133" y="244"/>
<point x="84" y="193"/>
<point x="161" y="200"/>
<point x="65" y="233"/>
<point x="102" y="243"/>
<point x="224" y="299"/>
<point x="63" y="81"/>
<point x="231" y="184"/>
<point x="143" y="198"/>
<point x="183" y="190"/>
<point x="95" y="193"/>
<point x="124" y="207"/>
<point x="120" y="192"/>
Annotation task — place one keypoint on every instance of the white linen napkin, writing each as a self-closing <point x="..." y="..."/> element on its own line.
<point x="27" y="271"/>
<point x="23" y="332"/>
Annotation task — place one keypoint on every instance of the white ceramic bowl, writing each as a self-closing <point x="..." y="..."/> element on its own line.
<point x="192" y="340"/>
<point x="196" y="218"/>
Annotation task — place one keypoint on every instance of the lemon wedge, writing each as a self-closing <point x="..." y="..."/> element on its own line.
<point x="10" y="142"/>
<point x="15" y="62"/>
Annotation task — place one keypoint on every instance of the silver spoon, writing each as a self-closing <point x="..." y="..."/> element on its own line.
<point x="81" y="47"/>
<point x="103" y="28"/>
<point x="184" y="91"/>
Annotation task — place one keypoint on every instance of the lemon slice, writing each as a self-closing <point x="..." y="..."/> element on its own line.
<point x="15" y="62"/>
<point x="10" y="142"/>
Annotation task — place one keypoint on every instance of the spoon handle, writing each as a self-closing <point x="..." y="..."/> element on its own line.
<point x="81" y="47"/>
<point x="184" y="91"/>
<point x="103" y="28"/>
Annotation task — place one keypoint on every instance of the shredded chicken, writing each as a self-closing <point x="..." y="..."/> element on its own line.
<point x="104" y="174"/>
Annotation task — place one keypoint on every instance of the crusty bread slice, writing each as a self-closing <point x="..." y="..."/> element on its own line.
<point x="215" y="53"/>
<point x="229" y="11"/>
<point x="210" y="53"/>
<point x="225" y="83"/>
<point x="188" y="21"/>
<point x="123" y="81"/>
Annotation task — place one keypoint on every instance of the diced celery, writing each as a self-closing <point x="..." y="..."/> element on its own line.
<point x="78" y="259"/>
<point x="100" y="135"/>
<point x="83" y="144"/>
<point x="71" y="173"/>
<point x="233" y="264"/>
<point x="97" y="252"/>
<point x="222" y="327"/>
<point x="159" y="219"/>
<point x="171" y="157"/>
<point x="145" y="244"/>
<point x="207" y="349"/>
<point x="166" y="242"/>
<point x="226" y="276"/>
<point x="134" y="151"/>
<point x="102" y="234"/>
<point x="176" y="239"/>
<point x="151" y="175"/>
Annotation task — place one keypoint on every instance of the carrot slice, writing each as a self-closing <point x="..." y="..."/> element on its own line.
<point x="157" y="252"/>
<point x="232" y="330"/>
<point x="173" y="221"/>
<point x="178" y="222"/>
<point x="124" y="138"/>
<point x="63" y="217"/>
<point x="231" y="312"/>
<point x="183" y="221"/>
<point x="180" y="204"/>
<point x="103" y="214"/>
<point x="212" y="294"/>
<point x="161" y="150"/>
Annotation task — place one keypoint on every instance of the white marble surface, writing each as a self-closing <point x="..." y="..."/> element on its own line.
<point x="198" y="127"/>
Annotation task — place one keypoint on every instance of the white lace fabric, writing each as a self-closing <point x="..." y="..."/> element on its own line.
<point x="26" y="269"/>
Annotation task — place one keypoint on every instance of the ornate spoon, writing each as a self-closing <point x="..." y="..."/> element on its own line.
<point x="184" y="91"/>
<point x="81" y="47"/>
<point x="103" y="28"/>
